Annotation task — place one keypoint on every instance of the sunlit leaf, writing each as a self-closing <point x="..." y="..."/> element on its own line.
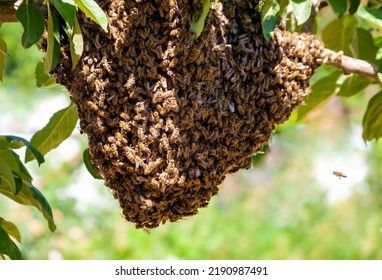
<point x="379" y="74"/>
<point x="3" y="53"/>
<point x="14" y="163"/>
<point x="6" y="176"/>
<point x="372" y="120"/>
<point x="373" y="16"/>
<point x="7" y="143"/>
<point x="43" y="80"/>
<point x="76" y="43"/>
<point x="67" y="9"/>
<point x="320" y="92"/>
<point x="338" y="34"/>
<point x="354" y="6"/>
<point x="15" y="142"/>
<point x="11" y="229"/>
<point x="363" y="46"/>
<point x="32" y="20"/>
<point x="8" y="247"/>
<point x="339" y="6"/>
<point x="30" y="195"/>
<point x="198" y="25"/>
<point x="89" y="165"/>
<point x="40" y="75"/>
<point x="301" y="10"/>
<point x="92" y="10"/>
<point x="59" y="127"/>
<point x="353" y="85"/>
<point x="269" y="17"/>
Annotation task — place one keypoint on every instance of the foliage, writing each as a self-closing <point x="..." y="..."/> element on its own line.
<point x="347" y="26"/>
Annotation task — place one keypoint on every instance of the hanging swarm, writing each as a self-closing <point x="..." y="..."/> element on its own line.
<point x="169" y="115"/>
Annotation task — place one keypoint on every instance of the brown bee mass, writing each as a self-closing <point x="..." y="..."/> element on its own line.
<point x="169" y="115"/>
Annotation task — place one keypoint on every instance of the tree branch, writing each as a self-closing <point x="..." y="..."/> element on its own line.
<point x="350" y="65"/>
<point x="7" y="11"/>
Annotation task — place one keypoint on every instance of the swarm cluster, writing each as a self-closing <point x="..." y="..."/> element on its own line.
<point x="169" y="115"/>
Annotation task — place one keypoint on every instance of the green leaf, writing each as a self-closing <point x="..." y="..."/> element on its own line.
<point x="30" y="195"/>
<point x="43" y="80"/>
<point x="353" y="85"/>
<point x="269" y="17"/>
<point x="338" y="34"/>
<point x="32" y="20"/>
<point x="320" y="92"/>
<point x="363" y="46"/>
<point x="59" y="127"/>
<point x="76" y="43"/>
<point x="43" y="206"/>
<point x="67" y="9"/>
<point x="259" y="158"/>
<point x="15" y="142"/>
<point x="354" y="6"/>
<point x="8" y="247"/>
<point x="7" y="143"/>
<point x="372" y="120"/>
<point x="14" y="163"/>
<point x="339" y="7"/>
<point x="6" y="176"/>
<point x="301" y="10"/>
<point x="197" y="26"/>
<point x="379" y="74"/>
<point x="92" y="10"/>
<point x="373" y="16"/>
<point x="40" y="75"/>
<point x="11" y="229"/>
<point x="53" y="49"/>
<point x="3" y="53"/>
<point x="89" y="165"/>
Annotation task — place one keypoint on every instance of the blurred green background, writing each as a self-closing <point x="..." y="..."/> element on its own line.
<point x="288" y="206"/>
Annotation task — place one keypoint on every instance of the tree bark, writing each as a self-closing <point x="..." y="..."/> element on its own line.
<point x="7" y="11"/>
<point x="350" y="65"/>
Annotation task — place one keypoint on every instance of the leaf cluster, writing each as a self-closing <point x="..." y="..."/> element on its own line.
<point x="16" y="181"/>
<point x="59" y="21"/>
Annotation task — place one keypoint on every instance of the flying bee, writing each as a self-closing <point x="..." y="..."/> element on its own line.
<point x="339" y="174"/>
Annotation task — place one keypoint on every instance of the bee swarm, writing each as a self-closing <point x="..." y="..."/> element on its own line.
<point x="169" y="115"/>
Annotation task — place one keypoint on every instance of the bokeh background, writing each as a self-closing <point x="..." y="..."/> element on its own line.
<point x="288" y="206"/>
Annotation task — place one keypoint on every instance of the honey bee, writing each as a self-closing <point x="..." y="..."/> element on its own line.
<point x="92" y="106"/>
<point x="174" y="136"/>
<point x="130" y="82"/>
<point x="339" y="174"/>
<point x="107" y="66"/>
<point x="99" y="86"/>
<point x="240" y="110"/>
<point x="144" y="148"/>
<point x="149" y="168"/>
<point x="90" y="79"/>
<point x="173" y="62"/>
